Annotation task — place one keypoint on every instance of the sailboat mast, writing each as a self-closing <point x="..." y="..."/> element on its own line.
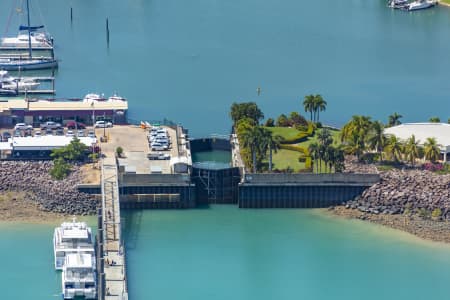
<point x="29" y="30"/>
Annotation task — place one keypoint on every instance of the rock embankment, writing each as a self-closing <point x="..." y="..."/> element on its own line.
<point x="59" y="196"/>
<point x="413" y="192"/>
<point x="352" y="165"/>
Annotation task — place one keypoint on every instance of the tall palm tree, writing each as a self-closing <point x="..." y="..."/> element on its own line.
<point x="270" y="142"/>
<point x="394" y="119"/>
<point x="319" y="105"/>
<point x="431" y="149"/>
<point x="412" y="149"/>
<point x="313" y="149"/>
<point x="377" y="139"/>
<point x="394" y="148"/>
<point x="339" y="159"/>
<point x="251" y="139"/>
<point x="308" y="105"/>
<point x="324" y="137"/>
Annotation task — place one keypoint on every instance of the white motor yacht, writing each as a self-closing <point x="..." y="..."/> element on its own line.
<point x="15" y="83"/>
<point x="89" y="98"/>
<point x="72" y="237"/>
<point x="78" y="276"/>
<point x="421" y="4"/>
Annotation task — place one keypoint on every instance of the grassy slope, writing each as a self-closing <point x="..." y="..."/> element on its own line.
<point x="334" y="134"/>
<point x="285" y="132"/>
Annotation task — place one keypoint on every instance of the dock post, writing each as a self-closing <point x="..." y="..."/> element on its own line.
<point x="71" y="15"/>
<point x="107" y="31"/>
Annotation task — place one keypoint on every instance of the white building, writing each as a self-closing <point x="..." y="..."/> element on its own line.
<point x="422" y="131"/>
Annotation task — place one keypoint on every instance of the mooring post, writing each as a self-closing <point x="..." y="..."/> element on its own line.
<point x="71" y="15"/>
<point x="107" y="31"/>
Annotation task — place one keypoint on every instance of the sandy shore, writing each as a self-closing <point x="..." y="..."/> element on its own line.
<point x="14" y="207"/>
<point x="437" y="231"/>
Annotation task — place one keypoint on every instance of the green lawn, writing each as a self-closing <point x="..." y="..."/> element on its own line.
<point x="286" y="158"/>
<point x="334" y="134"/>
<point x="445" y="1"/>
<point x="285" y="132"/>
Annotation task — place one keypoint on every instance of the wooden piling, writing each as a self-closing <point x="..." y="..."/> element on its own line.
<point x="107" y="31"/>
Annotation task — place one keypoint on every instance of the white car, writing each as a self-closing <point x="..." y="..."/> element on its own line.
<point x="91" y="134"/>
<point x="21" y="126"/>
<point x="102" y="124"/>
<point x="70" y="133"/>
<point x="80" y="133"/>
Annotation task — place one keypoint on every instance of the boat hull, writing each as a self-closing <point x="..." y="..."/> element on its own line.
<point x="38" y="65"/>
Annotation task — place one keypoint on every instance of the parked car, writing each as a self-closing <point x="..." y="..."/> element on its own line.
<point x="75" y="125"/>
<point x="91" y="134"/>
<point x="20" y="126"/>
<point x="37" y="134"/>
<point x="70" y="133"/>
<point x="59" y="131"/>
<point x="48" y="131"/>
<point x="158" y="156"/>
<point x="80" y="133"/>
<point x="102" y="124"/>
<point x="17" y="133"/>
<point x="50" y="125"/>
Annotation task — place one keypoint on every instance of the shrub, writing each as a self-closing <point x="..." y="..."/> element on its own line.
<point x="433" y="167"/>
<point x="119" y="151"/>
<point x="301" y="136"/>
<point x="436" y="213"/>
<point x="60" y="169"/>
<point x="283" y="121"/>
<point x="424" y="213"/>
<point x="269" y="123"/>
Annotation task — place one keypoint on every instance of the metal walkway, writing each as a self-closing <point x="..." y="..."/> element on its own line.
<point x="113" y="256"/>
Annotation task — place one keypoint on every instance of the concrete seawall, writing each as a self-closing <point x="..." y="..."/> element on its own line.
<point x="301" y="190"/>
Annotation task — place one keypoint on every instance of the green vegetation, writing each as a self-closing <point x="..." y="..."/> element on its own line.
<point x="119" y="151"/>
<point x="394" y="120"/>
<point x="314" y="104"/>
<point x="436" y="213"/>
<point x="75" y="151"/>
<point x="435" y="120"/>
<point x="287" y="158"/>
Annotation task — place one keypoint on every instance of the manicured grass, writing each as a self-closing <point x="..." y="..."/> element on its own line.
<point x="334" y="134"/>
<point x="285" y="132"/>
<point x="286" y="158"/>
<point x="445" y="1"/>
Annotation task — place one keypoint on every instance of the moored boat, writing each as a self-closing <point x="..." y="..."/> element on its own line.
<point x="18" y="84"/>
<point x="78" y="276"/>
<point x="71" y="237"/>
<point x="398" y="3"/>
<point x="421" y="4"/>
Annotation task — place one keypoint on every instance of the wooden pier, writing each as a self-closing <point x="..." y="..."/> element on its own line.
<point x="112" y="268"/>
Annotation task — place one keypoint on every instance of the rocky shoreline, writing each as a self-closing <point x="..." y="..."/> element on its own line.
<point x="413" y="200"/>
<point x="436" y="231"/>
<point x="55" y="196"/>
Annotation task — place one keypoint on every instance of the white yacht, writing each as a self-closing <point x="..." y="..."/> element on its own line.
<point x="72" y="237"/>
<point x="38" y="39"/>
<point x="16" y="83"/>
<point x="78" y="276"/>
<point x="421" y="4"/>
<point x="89" y="98"/>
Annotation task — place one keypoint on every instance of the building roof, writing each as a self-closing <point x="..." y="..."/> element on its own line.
<point x="422" y="131"/>
<point x="47" y="142"/>
<point x="46" y="105"/>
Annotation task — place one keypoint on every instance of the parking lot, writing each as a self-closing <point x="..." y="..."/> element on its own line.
<point x="136" y="150"/>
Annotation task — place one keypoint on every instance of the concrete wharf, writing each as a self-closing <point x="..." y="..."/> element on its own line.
<point x="112" y="279"/>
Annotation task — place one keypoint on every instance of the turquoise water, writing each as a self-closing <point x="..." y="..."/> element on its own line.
<point x="189" y="60"/>
<point x="216" y="155"/>
<point x="228" y="253"/>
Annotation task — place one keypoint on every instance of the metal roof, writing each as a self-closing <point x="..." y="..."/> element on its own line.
<point x="422" y="131"/>
<point x="47" y="142"/>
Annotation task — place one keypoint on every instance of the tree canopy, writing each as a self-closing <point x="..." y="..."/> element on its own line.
<point x="246" y="110"/>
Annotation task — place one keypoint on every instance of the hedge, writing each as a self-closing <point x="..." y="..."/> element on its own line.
<point x="301" y="136"/>
<point x="304" y="157"/>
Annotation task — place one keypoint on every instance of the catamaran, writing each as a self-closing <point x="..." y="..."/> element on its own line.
<point x="30" y="62"/>
<point x="78" y="276"/>
<point x="71" y="237"/>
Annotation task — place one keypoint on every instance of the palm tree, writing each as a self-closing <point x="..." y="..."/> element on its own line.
<point x="394" y="119"/>
<point x="412" y="149"/>
<point x="339" y="159"/>
<point x="431" y="149"/>
<point x="324" y="137"/>
<point x="313" y="149"/>
<point x="319" y="105"/>
<point x="354" y="134"/>
<point x="251" y="139"/>
<point x="308" y="105"/>
<point x="377" y="139"/>
<point x="270" y="142"/>
<point x="394" y="148"/>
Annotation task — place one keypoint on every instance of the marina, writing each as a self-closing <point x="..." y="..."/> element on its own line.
<point x="201" y="251"/>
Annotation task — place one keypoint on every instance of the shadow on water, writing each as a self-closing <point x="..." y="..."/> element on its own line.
<point x="132" y="220"/>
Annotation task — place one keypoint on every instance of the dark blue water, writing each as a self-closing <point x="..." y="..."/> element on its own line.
<point x="189" y="60"/>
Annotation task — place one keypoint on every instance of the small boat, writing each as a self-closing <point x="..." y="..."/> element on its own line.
<point x="398" y="3"/>
<point x="94" y="97"/>
<point x="116" y="97"/>
<point x="38" y="39"/>
<point x="421" y="4"/>
<point x="71" y="237"/>
<point x="20" y="84"/>
<point x="29" y="63"/>
<point x="78" y="276"/>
